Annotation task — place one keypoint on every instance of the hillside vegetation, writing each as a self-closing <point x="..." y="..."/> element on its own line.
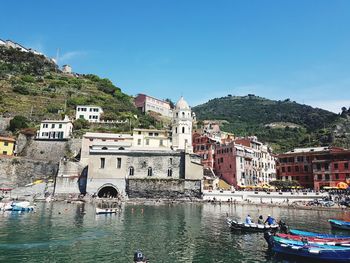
<point x="32" y="86"/>
<point x="253" y="115"/>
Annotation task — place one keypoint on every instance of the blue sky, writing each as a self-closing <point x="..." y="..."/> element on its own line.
<point x="199" y="49"/>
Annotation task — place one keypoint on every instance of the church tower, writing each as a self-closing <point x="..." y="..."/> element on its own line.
<point x="182" y="127"/>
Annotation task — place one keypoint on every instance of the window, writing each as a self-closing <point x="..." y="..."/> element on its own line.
<point x="4" y="152"/>
<point x="297" y="168"/>
<point x="102" y="163"/>
<point x="60" y="126"/>
<point x="176" y="130"/>
<point x="326" y="166"/>
<point x="160" y="142"/>
<point x="283" y="169"/>
<point x="119" y="163"/>
<point x="170" y="172"/>
<point x="336" y="166"/>
<point x="346" y="165"/>
<point x="139" y="133"/>
<point x="147" y="141"/>
<point x="327" y="177"/>
<point x="150" y="134"/>
<point x="45" y="125"/>
<point x="306" y="168"/>
<point x="183" y="129"/>
<point x="171" y="161"/>
<point x="138" y="141"/>
<point x="52" y="126"/>
<point x="289" y="169"/>
<point x="318" y="166"/>
<point x="131" y="170"/>
<point x="81" y="116"/>
<point x="149" y="171"/>
<point x="6" y="144"/>
<point x="336" y="176"/>
<point x="156" y="134"/>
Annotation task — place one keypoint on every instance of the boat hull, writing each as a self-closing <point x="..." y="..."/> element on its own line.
<point x="317" y="235"/>
<point x="339" y="224"/>
<point x="106" y="211"/>
<point x="234" y="225"/>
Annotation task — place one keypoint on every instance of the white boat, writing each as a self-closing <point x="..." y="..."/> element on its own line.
<point x="101" y="211"/>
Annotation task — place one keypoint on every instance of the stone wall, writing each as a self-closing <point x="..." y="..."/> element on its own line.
<point x="17" y="172"/>
<point x="47" y="150"/>
<point x="163" y="188"/>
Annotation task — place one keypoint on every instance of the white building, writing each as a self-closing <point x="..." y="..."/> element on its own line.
<point x="55" y="129"/>
<point x="89" y="113"/>
<point x="2" y="42"/>
<point x="67" y="69"/>
<point x="182" y="126"/>
<point x="15" y="45"/>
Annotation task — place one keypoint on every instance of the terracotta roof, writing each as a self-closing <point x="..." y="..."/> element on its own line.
<point x="7" y="139"/>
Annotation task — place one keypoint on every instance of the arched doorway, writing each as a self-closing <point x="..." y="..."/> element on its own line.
<point x="108" y="191"/>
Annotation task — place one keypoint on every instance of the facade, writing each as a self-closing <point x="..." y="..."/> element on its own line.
<point x="2" y="42"/>
<point x="67" y="69"/>
<point x="93" y="138"/>
<point x="182" y="126"/>
<point x="89" y="113"/>
<point x="245" y="162"/>
<point x="7" y="146"/>
<point x="147" y="103"/>
<point x="151" y="138"/>
<point x="205" y="146"/>
<point x="315" y="167"/>
<point x="55" y="129"/>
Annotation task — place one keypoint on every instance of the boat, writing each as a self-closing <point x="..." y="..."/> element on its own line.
<point x="309" y="251"/>
<point x="22" y="206"/>
<point x="315" y="240"/>
<point x="105" y="211"/>
<point x="339" y="224"/>
<point x="139" y="257"/>
<point x="251" y="227"/>
<point x="312" y="234"/>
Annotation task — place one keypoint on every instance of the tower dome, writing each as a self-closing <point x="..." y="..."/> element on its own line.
<point x="182" y="104"/>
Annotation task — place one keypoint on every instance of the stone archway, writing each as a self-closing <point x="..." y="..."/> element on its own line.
<point x="108" y="191"/>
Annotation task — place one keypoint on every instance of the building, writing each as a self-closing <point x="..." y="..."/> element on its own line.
<point x="67" y="69"/>
<point x="93" y="138"/>
<point x="205" y="146"/>
<point x="315" y="167"/>
<point x="15" y="45"/>
<point x="7" y="146"/>
<point x="147" y="103"/>
<point x="245" y="162"/>
<point x="182" y="126"/>
<point x="55" y="129"/>
<point x="2" y="42"/>
<point x="151" y="138"/>
<point x="89" y="113"/>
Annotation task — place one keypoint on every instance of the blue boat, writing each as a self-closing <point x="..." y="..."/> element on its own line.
<point x="318" y="235"/>
<point x="310" y="251"/>
<point x="339" y="224"/>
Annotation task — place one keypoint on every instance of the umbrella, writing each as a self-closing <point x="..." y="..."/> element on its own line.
<point x="342" y="185"/>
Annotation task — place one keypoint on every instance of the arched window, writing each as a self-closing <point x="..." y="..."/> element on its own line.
<point x="183" y="114"/>
<point x="149" y="171"/>
<point x="183" y="129"/>
<point x="131" y="170"/>
<point x="176" y="130"/>
<point x="170" y="172"/>
<point x="104" y="148"/>
<point x="121" y="148"/>
<point x="177" y="114"/>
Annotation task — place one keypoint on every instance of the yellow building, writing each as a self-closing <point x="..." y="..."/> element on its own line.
<point x="7" y="145"/>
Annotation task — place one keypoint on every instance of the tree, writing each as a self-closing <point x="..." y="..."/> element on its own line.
<point x="81" y="124"/>
<point x="171" y="103"/>
<point x="17" y="123"/>
<point x="284" y="184"/>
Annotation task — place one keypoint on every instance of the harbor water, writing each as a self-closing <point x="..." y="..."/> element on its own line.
<point x="189" y="232"/>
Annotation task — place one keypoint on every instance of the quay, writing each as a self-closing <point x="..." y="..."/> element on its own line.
<point x="261" y="196"/>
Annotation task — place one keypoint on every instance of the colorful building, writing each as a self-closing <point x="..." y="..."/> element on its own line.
<point x="315" y="167"/>
<point x="7" y="146"/>
<point x="147" y="103"/>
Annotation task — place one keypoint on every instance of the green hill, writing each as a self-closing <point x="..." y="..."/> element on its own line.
<point x="253" y="115"/>
<point x="33" y="86"/>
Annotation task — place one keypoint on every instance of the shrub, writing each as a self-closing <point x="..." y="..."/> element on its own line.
<point x="21" y="90"/>
<point x="81" y="124"/>
<point x="17" y="123"/>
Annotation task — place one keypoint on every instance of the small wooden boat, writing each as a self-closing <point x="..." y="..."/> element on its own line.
<point x="251" y="227"/>
<point x="318" y="235"/>
<point x="105" y="211"/>
<point x="309" y="251"/>
<point x="339" y="224"/>
<point x="139" y="257"/>
<point x="317" y="241"/>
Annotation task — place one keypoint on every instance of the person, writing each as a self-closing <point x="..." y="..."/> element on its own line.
<point x="261" y="220"/>
<point x="270" y="220"/>
<point x="248" y="220"/>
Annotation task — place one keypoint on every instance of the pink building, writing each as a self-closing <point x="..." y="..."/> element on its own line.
<point x="147" y="103"/>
